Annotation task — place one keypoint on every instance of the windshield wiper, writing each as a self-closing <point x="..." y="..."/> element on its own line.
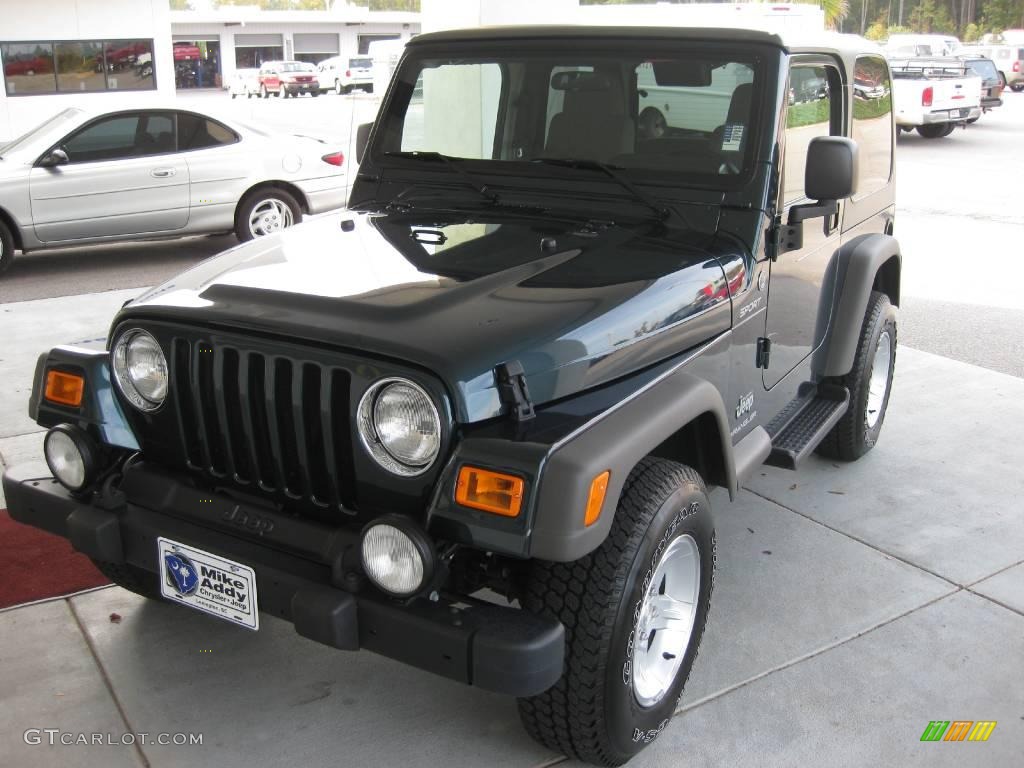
<point x="452" y="164"/>
<point x="612" y="172"/>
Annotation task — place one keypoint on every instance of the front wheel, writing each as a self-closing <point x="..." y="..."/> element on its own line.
<point x="869" y="382"/>
<point x="264" y="212"/>
<point x="634" y="612"/>
<point x="6" y="248"/>
<point x="263" y="92"/>
<point x="1017" y="87"/>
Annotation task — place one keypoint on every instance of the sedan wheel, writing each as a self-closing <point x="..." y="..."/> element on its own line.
<point x="266" y="211"/>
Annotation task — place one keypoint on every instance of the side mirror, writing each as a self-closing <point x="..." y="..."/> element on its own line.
<point x="831" y="172"/>
<point x="362" y="138"/>
<point x="830" y="176"/>
<point x="53" y="158"/>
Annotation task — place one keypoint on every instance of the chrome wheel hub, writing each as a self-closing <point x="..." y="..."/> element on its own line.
<point x="666" y="619"/>
<point x="268" y="216"/>
<point x="878" y="385"/>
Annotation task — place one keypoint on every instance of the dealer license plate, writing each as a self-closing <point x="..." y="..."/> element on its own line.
<point x="208" y="583"/>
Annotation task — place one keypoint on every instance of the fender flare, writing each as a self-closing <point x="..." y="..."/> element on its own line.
<point x="617" y="441"/>
<point x="862" y="265"/>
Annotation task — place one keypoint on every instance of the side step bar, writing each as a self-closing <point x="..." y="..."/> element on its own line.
<point x="800" y="428"/>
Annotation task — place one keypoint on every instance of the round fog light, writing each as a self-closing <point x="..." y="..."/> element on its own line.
<point x="70" y="455"/>
<point x="397" y="556"/>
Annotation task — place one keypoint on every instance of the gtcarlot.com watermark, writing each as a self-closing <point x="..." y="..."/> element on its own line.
<point x="56" y="737"/>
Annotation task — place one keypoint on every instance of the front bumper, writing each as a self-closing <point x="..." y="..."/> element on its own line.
<point x="497" y="648"/>
<point x="294" y="89"/>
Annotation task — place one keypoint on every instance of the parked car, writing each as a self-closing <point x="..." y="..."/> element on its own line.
<point x="934" y="95"/>
<point x="991" y="82"/>
<point x="288" y="78"/>
<point x="472" y="423"/>
<point x="343" y="74"/>
<point x="1009" y="60"/>
<point x="913" y="45"/>
<point x="84" y="177"/>
<point x="245" y="82"/>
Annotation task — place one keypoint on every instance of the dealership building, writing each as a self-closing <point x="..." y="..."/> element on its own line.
<point x="106" y="54"/>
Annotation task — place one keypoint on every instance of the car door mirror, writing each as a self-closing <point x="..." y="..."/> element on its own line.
<point x="53" y="158"/>
<point x="362" y="139"/>
<point x="829" y="176"/>
<point x="831" y="172"/>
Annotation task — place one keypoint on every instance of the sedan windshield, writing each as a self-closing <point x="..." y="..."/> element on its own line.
<point x="60" y="121"/>
<point x="683" y="112"/>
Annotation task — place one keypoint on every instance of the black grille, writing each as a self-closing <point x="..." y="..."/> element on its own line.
<point x="277" y="424"/>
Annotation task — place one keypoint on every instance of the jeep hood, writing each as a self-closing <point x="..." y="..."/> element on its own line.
<point x="458" y="294"/>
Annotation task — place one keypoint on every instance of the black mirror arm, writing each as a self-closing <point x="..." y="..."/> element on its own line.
<point x="815" y="210"/>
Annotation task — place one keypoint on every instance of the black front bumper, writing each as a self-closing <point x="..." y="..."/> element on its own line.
<point x="493" y="647"/>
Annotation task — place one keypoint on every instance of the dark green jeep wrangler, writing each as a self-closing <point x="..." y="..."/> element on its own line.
<point x="471" y="423"/>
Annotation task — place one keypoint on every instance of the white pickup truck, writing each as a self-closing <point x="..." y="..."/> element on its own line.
<point x="934" y="95"/>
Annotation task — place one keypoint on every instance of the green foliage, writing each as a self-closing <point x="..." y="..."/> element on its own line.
<point x="808" y="113"/>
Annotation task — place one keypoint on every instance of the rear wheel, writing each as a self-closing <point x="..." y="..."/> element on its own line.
<point x="869" y="382"/>
<point x="265" y="211"/>
<point x="634" y="611"/>
<point x="935" y="131"/>
<point x="6" y="248"/>
<point x="1017" y="87"/>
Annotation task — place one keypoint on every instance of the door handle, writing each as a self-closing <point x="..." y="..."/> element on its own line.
<point x="162" y="173"/>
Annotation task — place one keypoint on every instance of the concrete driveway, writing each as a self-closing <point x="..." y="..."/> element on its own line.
<point x="853" y="605"/>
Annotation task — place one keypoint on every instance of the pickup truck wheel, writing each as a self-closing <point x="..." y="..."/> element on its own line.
<point x="131" y="578"/>
<point x="870" y="383"/>
<point x="933" y="131"/>
<point x="634" y="612"/>
<point x="265" y="211"/>
<point x="6" y="248"/>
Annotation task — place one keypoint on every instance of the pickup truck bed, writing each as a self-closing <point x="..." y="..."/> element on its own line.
<point x="934" y="92"/>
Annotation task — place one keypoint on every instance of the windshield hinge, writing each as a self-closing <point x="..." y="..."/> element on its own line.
<point x="513" y="392"/>
<point x="764" y="352"/>
<point x="782" y="238"/>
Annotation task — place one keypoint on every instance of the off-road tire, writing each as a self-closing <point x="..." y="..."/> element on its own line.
<point x="592" y="713"/>
<point x="851" y="437"/>
<point x="6" y="248"/>
<point x="131" y="578"/>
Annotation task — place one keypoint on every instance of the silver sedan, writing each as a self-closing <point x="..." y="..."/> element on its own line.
<point x="82" y="178"/>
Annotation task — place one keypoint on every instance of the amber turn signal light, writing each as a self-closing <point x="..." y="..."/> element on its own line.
<point x="493" y="492"/>
<point x="598" y="489"/>
<point x="64" y="388"/>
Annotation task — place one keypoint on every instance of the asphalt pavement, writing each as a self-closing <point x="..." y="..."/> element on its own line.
<point x="959" y="221"/>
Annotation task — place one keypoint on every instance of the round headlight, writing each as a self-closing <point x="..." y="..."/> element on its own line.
<point x="70" y="455"/>
<point x="399" y="426"/>
<point x="396" y="557"/>
<point x="140" y="369"/>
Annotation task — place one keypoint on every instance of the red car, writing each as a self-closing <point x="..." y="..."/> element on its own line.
<point x="288" y="78"/>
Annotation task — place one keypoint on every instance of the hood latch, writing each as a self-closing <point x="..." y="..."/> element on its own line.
<point x="513" y="392"/>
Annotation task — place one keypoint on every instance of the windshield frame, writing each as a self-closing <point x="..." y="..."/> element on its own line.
<point x="69" y="118"/>
<point x="764" y="59"/>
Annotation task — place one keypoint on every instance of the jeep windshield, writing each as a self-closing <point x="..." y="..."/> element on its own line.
<point x="684" y="118"/>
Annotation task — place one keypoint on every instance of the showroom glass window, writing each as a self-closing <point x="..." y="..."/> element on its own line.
<point x="28" y="68"/>
<point x="77" y="66"/>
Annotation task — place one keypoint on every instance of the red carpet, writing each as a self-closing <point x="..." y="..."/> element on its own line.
<point x="35" y="565"/>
